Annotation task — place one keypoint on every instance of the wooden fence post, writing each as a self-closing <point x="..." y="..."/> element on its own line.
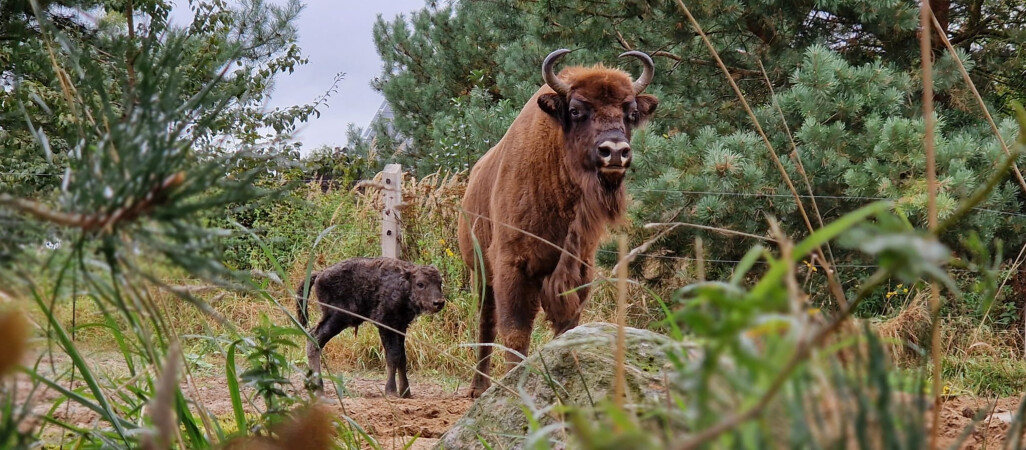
<point x="392" y="178"/>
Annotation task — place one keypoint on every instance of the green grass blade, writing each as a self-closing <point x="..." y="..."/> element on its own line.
<point x="233" y="388"/>
<point x="777" y="271"/>
<point x="835" y="228"/>
<point x="363" y="434"/>
<point x="309" y="268"/>
<point x="749" y="260"/>
<point x="102" y="405"/>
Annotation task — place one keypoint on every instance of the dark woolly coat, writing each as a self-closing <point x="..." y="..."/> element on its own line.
<point x="384" y="291"/>
<point x="376" y="288"/>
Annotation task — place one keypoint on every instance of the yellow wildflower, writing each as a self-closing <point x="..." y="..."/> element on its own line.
<point x="448" y="251"/>
<point x="810" y="266"/>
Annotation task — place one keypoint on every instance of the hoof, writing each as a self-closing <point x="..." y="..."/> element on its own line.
<point x="314" y="385"/>
<point x="477" y="391"/>
<point x="394" y="393"/>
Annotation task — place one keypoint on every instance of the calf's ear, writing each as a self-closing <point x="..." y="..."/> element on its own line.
<point x="554" y="105"/>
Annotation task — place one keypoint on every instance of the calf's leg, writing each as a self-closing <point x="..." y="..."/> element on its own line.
<point x="329" y="326"/>
<point x="395" y="361"/>
<point x="481" y="379"/>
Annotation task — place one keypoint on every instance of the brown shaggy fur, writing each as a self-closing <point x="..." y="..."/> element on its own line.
<point x="385" y="291"/>
<point x="545" y="177"/>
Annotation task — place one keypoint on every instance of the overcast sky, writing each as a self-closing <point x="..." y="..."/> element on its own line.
<point x="336" y="37"/>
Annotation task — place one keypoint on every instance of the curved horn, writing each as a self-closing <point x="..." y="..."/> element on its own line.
<point x="646" y="76"/>
<point x="556" y="84"/>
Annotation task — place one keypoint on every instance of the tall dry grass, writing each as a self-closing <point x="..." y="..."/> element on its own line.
<point x="437" y="344"/>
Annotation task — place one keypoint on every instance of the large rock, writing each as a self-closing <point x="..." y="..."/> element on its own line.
<point x="577" y="370"/>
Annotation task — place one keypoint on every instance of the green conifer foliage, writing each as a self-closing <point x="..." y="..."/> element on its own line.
<point x="256" y="39"/>
<point x="844" y="74"/>
<point x="859" y="135"/>
<point x="67" y="79"/>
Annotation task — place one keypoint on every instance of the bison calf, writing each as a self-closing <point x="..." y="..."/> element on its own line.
<point x="387" y="292"/>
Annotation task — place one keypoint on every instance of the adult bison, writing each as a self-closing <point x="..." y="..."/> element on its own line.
<point x="556" y="177"/>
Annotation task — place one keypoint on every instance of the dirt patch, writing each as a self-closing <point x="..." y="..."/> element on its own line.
<point x="394" y="421"/>
<point x="957" y="414"/>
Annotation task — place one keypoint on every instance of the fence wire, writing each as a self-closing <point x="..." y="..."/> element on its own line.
<point x="806" y="197"/>
<point x="368" y="234"/>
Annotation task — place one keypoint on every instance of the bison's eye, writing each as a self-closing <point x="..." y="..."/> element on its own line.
<point x="575" y="113"/>
<point x="632" y="116"/>
<point x="420" y="284"/>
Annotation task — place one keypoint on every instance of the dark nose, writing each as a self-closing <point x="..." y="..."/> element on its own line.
<point x="615" y="152"/>
<point x="439" y="303"/>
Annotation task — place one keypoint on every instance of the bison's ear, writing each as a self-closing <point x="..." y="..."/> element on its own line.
<point x="554" y="105"/>
<point x="646" y="106"/>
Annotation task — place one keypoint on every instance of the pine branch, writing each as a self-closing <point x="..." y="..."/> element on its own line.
<point x="737" y="71"/>
<point x="983" y="105"/>
<point x="97" y="221"/>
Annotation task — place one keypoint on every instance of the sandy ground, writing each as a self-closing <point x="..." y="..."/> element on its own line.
<point x="957" y="414"/>
<point x="393" y="422"/>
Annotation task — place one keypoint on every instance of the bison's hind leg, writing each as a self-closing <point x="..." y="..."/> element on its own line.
<point x="329" y="326"/>
<point x="482" y="377"/>
<point x="395" y="360"/>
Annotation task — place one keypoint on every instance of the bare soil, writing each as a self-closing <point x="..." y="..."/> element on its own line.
<point x="957" y="415"/>
<point x="393" y="422"/>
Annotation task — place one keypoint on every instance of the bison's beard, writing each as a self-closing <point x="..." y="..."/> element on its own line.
<point x="611" y="179"/>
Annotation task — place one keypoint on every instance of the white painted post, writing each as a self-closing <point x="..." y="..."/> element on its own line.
<point x="391" y="177"/>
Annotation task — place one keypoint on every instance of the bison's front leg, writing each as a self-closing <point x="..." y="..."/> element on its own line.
<point x="565" y="290"/>
<point x="516" y="302"/>
<point x="395" y="360"/>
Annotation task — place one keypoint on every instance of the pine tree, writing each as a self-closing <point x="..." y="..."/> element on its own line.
<point x="859" y="135"/>
<point x="130" y="119"/>
<point x="48" y="107"/>
<point x="259" y="38"/>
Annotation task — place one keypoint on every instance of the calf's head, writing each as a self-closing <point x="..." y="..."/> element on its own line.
<point x="598" y="108"/>
<point x="426" y="289"/>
